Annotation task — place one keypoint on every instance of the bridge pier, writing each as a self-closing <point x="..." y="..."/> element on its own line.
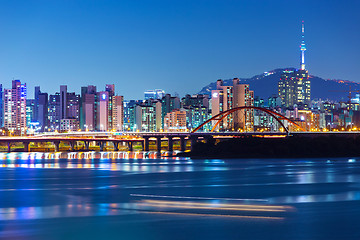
<point x="8" y="147"/>
<point x="146" y="144"/>
<point x="116" y="146"/>
<point x="57" y="145"/>
<point x="87" y="144"/>
<point x="170" y="144"/>
<point x="72" y="145"/>
<point x="26" y="146"/>
<point x="158" y="144"/>
<point x="182" y="144"/>
<point x="101" y="145"/>
<point x="130" y="146"/>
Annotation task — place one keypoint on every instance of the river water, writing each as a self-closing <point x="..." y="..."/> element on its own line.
<point x="146" y="196"/>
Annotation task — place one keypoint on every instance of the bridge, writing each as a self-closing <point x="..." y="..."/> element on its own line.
<point x="116" y="139"/>
<point x="128" y="139"/>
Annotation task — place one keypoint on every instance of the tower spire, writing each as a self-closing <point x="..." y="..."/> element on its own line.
<point x="302" y="47"/>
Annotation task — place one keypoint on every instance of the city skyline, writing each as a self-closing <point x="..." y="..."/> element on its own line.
<point x="81" y="43"/>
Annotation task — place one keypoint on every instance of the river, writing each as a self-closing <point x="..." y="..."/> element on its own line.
<point x="145" y="196"/>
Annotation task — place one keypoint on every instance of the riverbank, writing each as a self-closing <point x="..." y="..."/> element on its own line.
<point x="290" y="147"/>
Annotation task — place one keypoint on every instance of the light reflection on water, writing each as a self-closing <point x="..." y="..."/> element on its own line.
<point x="336" y="197"/>
<point x="303" y="172"/>
<point x="83" y="155"/>
<point x="68" y="210"/>
<point x="147" y="206"/>
<point x="114" y="161"/>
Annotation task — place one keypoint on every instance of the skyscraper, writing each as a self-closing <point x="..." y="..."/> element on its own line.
<point x="88" y="108"/>
<point x="242" y="96"/>
<point x="1" y="107"/>
<point x="294" y="85"/>
<point x="228" y="97"/>
<point x="168" y="103"/>
<point x="36" y="102"/>
<point x="72" y="102"/>
<point x="30" y="110"/>
<point x="110" y="88"/>
<point x="148" y="117"/>
<point x="40" y="112"/>
<point x="63" y="101"/>
<point x="118" y="112"/>
<point x="15" y="108"/>
<point x="54" y="112"/>
<point x="103" y="111"/>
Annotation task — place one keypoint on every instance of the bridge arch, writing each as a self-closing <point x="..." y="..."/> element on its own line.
<point x="219" y="117"/>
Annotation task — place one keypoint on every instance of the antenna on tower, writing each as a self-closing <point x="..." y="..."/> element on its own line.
<point x="302" y="28"/>
<point x="302" y="47"/>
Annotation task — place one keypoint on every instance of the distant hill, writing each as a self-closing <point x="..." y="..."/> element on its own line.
<point x="266" y="84"/>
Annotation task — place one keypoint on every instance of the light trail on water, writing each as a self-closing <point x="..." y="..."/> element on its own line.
<point x="200" y="198"/>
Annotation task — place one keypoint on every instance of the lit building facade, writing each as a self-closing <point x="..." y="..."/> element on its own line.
<point x="228" y="97"/>
<point x="118" y="113"/>
<point x="15" y="108"/>
<point x="110" y="88"/>
<point x="88" y="108"/>
<point x="30" y="110"/>
<point x="1" y="106"/>
<point x="102" y="123"/>
<point x="294" y="87"/>
<point x="42" y="107"/>
<point x="148" y="117"/>
<point x="129" y="115"/>
<point x="197" y="115"/>
<point x="197" y="111"/>
<point x="73" y="108"/>
<point x="54" y="112"/>
<point x="175" y="121"/>
<point x="69" y="124"/>
<point x="168" y="103"/>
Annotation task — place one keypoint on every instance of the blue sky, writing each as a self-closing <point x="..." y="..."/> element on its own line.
<point x="178" y="46"/>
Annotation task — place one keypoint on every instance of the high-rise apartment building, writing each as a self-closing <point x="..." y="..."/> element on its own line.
<point x="15" y="108"/>
<point x="1" y="107"/>
<point x="168" y="103"/>
<point x="36" y="101"/>
<point x="228" y="97"/>
<point x="73" y="108"/>
<point x="148" y="117"/>
<point x="54" y="112"/>
<point x="129" y="114"/>
<point x="242" y="96"/>
<point x="294" y="86"/>
<point x="197" y="110"/>
<point x="40" y="112"/>
<point x="102" y="123"/>
<point x="110" y="88"/>
<point x="63" y="102"/>
<point x="118" y="113"/>
<point x="88" y="108"/>
<point x="30" y="110"/>
<point x="69" y="105"/>
<point x="175" y="120"/>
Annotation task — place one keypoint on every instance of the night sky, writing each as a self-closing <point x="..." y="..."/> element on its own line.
<point x="178" y="46"/>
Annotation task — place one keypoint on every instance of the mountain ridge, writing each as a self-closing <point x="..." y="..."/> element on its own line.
<point x="266" y="85"/>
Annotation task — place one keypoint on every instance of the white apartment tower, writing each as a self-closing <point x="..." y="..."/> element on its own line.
<point x="15" y="108"/>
